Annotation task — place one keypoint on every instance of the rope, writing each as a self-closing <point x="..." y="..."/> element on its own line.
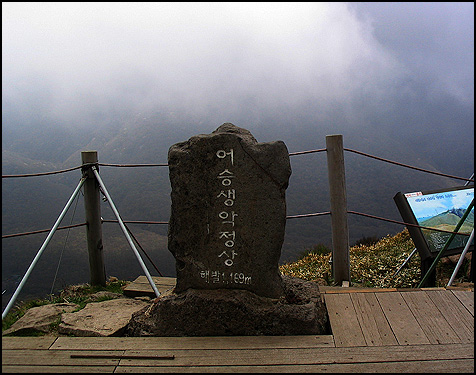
<point x="403" y="223"/>
<point x="166" y="222"/>
<point x="135" y="222"/>
<point x="64" y="246"/>
<point x="377" y="218"/>
<point x="287" y="217"/>
<point x="133" y="165"/>
<point x="40" y="231"/>
<point x="40" y="174"/>
<point x="145" y="253"/>
<point x="306" y="152"/>
<point x="308" y="215"/>
<point x="290" y="154"/>
<point x="407" y="166"/>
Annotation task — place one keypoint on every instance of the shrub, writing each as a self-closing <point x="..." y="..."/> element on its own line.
<point x="367" y="241"/>
<point x="319" y="249"/>
<point x="370" y="265"/>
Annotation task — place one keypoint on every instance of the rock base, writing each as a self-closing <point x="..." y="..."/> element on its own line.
<point x="230" y="312"/>
<point x="107" y="318"/>
<point x="40" y="319"/>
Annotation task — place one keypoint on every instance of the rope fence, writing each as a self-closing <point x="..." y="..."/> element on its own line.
<point x="41" y="231"/>
<point x="290" y="154"/>
<point x="40" y="174"/>
<point x="90" y="163"/>
<point x="404" y="223"/>
<point x="306" y="152"/>
<point x="136" y="222"/>
<point x="132" y="165"/>
<point x="308" y="215"/>
<point x="408" y="166"/>
<point x="287" y="217"/>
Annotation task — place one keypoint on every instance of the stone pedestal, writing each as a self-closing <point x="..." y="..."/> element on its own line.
<point x="234" y="312"/>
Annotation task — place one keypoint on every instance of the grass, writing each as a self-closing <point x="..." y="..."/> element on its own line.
<point x="374" y="265"/>
<point x="78" y="294"/>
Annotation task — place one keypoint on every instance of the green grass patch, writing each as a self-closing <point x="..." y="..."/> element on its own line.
<point x="373" y="265"/>
<point x="78" y="294"/>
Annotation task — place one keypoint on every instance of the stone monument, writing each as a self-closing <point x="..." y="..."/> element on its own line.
<point x="226" y="230"/>
<point x="228" y="211"/>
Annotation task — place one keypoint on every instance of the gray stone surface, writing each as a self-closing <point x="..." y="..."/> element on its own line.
<point x="228" y="211"/>
<point x="224" y="312"/>
<point x="226" y="231"/>
<point x="40" y="319"/>
<point x="107" y="318"/>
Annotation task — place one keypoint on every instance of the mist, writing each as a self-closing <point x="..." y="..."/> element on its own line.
<point x="131" y="79"/>
<point x="70" y="63"/>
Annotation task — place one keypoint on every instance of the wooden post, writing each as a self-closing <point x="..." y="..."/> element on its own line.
<point x="93" y="219"/>
<point x="338" y="198"/>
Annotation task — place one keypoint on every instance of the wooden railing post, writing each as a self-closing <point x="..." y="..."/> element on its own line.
<point x="338" y="200"/>
<point x="92" y="205"/>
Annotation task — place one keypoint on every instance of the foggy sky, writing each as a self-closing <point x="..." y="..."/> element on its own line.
<point x="381" y="63"/>
<point x="396" y="77"/>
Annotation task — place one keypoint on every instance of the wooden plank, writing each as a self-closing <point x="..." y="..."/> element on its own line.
<point x="374" y="324"/>
<point x="280" y="357"/>
<point x="404" y="325"/>
<point x="438" y="366"/>
<point x="214" y="342"/>
<point x="455" y="313"/>
<point x="337" y="289"/>
<point x="157" y="280"/>
<point x="450" y="366"/>
<point x="141" y="286"/>
<point x="138" y="290"/>
<point x="466" y="288"/>
<point x="29" y="357"/>
<point x="444" y="357"/>
<point x="58" y="369"/>
<point x="466" y="298"/>
<point x="16" y="342"/>
<point x="433" y="323"/>
<point x="343" y="320"/>
<point x="420" y="289"/>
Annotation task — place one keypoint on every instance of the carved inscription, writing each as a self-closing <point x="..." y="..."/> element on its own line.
<point x="227" y="232"/>
<point x="228" y="211"/>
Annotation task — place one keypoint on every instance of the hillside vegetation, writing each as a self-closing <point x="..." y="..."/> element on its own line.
<point x="374" y="265"/>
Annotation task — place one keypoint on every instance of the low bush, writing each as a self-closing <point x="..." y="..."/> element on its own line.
<point x="373" y="265"/>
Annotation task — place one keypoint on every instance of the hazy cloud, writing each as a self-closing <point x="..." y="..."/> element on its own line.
<point x="435" y="41"/>
<point x="209" y="57"/>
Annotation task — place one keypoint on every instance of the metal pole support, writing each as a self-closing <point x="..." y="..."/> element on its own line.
<point x="42" y="248"/>
<point x="461" y="258"/>
<point x="126" y="232"/>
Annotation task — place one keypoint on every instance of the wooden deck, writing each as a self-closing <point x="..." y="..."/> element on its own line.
<point x="373" y="330"/>
<point x="141" y="286"/>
